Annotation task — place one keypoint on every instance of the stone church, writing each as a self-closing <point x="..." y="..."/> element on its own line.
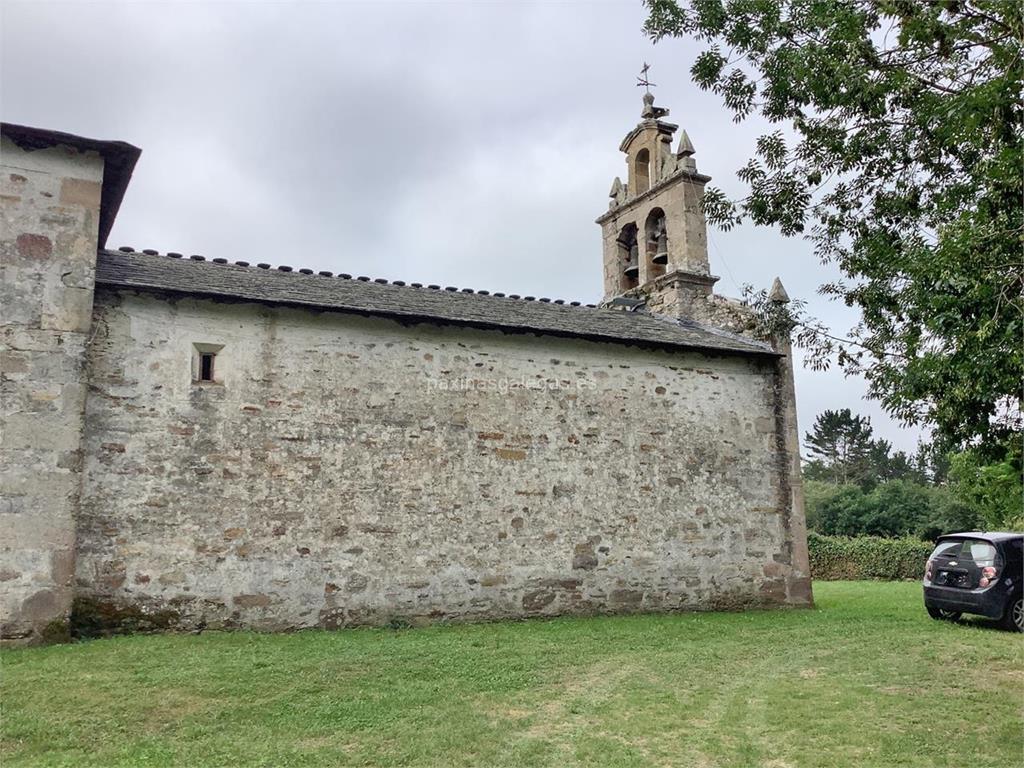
<point x="197" y="442"/>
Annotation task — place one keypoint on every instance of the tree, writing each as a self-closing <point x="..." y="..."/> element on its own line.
<point x="842" y="446"/>
<point x="993" y="488"/>
<point x="893" y="508"/>
<point x="897" y="508"/>
<point x="949" y="515"/>
<point x="902" y="164"/>
<point x="835" y="509"/>
<point x="887" y="464"/>
<point x="931" y="463"/>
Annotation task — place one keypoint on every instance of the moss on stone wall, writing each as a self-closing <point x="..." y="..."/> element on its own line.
<point x="96" y="618"/>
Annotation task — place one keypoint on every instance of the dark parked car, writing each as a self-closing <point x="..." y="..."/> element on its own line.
<point x="981" y="573"/>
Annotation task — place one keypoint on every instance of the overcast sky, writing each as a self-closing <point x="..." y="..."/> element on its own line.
<point x="469" y="144"/>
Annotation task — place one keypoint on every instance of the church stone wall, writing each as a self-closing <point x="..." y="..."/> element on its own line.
<point x="349" y="470"/>
<point x="49" y="221"/>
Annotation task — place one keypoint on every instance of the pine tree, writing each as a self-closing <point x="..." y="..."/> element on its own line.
<point x="841" y="442"/>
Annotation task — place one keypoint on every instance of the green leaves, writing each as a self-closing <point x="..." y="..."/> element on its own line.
<point x="737" y="91"/>
<point x="707" y="69"/>
<point x="993" y="487"/>
<point x="894" y="508"/>
<point x="773" y="149"/>
<point x="720" y="210"/>
<point x="905" y="172"/>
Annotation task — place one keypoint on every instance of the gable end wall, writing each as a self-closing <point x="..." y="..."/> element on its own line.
<point x="49" y="224"/>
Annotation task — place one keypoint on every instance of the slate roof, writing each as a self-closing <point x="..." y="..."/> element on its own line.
<point x="196" y="276"/>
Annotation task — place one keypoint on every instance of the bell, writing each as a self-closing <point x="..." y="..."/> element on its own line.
<point x="633" y="265"/>
<point x="661" y="245"/>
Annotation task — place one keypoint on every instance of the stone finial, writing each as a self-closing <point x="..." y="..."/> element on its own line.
<point x="685" y="146"/>
<point x="651" y="112"/>
<point x="648" y="110"/>
<point x="777" y="294"/>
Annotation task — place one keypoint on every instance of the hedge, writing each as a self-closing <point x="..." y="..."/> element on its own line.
<point x="867" y="557"/>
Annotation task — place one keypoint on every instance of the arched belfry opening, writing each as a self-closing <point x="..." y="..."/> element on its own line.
<point x="642" y="171"/>
<point x="629" y="257"/>
<point x="656" y="243"/>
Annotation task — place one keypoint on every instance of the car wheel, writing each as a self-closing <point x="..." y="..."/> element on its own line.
<point x="1013" y="618"/>
<point x="938" y="613"/>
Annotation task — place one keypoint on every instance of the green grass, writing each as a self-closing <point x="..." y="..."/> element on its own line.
<point x="866" y="679"/>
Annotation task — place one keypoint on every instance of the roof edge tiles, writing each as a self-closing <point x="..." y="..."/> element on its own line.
<point x="405" y="302"/>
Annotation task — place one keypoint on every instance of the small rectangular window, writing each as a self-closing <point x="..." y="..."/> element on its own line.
<point x="206" y="366"/>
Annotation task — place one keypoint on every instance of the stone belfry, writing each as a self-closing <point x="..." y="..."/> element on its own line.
<point x="655" y="233"/>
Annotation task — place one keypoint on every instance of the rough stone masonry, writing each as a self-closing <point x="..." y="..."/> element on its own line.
<point x="196" y="443"/>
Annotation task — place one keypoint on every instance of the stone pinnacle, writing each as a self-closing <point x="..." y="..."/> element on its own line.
<point x="685" y="146"/>
<point x="777" y="294"/>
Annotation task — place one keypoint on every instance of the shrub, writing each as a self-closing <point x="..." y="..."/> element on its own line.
<point x="866" y="557"/>
<point x="892" y="508"/>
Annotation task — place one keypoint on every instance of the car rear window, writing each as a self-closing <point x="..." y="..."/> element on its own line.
<point x="981" y="552"/>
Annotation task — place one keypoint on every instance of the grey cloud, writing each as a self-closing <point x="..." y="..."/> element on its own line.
<point x="470" y="144"/>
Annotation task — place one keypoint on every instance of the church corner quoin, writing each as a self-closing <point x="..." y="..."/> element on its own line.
<point x="191" y="443"/>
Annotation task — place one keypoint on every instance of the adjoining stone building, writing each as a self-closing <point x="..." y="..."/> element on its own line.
<point x="234" y="445"/>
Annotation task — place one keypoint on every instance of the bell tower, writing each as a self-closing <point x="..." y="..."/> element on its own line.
<point x="655" y="233"/>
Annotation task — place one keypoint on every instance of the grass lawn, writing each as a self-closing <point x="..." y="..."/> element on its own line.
<point x="866" y="679"/>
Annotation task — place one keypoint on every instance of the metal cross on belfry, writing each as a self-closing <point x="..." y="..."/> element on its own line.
<point x="642" y="80"/>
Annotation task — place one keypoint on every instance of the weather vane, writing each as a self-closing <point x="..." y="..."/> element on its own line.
<point x="642" y="80"/>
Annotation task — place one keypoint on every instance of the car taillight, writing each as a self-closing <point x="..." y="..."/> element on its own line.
<point x="928" y="571"/>
<point x="988" y="575"/>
